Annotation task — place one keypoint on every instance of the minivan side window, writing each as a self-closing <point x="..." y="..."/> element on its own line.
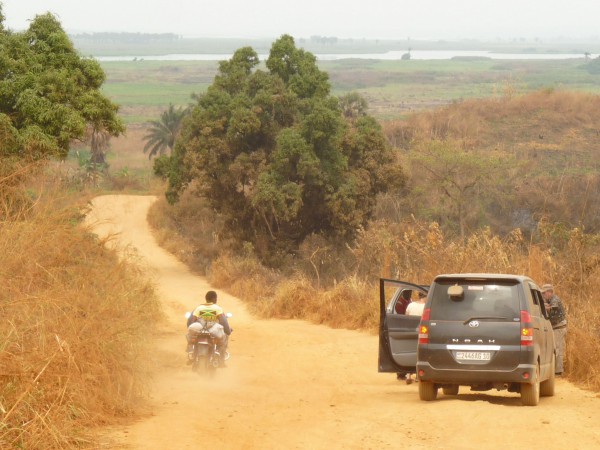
<point x="534" y="304"/>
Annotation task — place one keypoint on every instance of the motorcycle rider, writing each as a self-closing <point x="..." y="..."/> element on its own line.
<point x="211" y="317"/>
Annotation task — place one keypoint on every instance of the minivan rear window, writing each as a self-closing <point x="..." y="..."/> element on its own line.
<point x="492" y="299"/>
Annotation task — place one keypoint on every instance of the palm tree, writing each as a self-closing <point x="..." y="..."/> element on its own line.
<point x="99" y="143"/>
<point x="162" y="133"/>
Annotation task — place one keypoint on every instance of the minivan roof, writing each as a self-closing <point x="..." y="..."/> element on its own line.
<point x="487" y="276"/>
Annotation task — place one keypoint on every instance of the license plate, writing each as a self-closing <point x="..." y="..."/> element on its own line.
<point x="474" y="356"/>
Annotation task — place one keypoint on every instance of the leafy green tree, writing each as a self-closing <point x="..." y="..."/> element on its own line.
<point x="297" y="68"/>
<point x="162" y="166"/>
<point x="275" y="156"/>
<point x="49" y="95"/>
<point x="162" y="133"/>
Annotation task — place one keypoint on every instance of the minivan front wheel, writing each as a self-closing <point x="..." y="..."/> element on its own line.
<point x="547" y="387"/>
<point x="450" y="390"/>
<point x="427" y="391"/>
<point x="530" y="392"/>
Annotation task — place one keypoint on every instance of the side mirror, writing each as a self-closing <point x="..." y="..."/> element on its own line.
<point x="187" y="315"/>
<point x="228" y="315"/>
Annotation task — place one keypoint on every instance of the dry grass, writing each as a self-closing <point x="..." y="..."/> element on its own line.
<point x="554" y="117"/>
<point x="244" y="277"/>
<point x="75" y="318"/>
<point x="187" y="229"/>
<point x="582" y="356"/>
<point x="351" y="304"/>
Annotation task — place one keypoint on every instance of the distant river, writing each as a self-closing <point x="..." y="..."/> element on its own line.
<point x="389" y="56"/>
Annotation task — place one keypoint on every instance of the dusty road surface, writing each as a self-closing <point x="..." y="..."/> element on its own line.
<point x="293" y="385"/>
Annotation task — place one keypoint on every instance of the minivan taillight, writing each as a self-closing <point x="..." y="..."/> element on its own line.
<point x="424" y="327"/>
<point x="526" y="329"/>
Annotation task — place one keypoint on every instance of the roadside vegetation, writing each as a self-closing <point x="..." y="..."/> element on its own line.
<point x="75" y="319"/>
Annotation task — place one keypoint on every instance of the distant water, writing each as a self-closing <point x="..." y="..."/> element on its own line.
<point x="388" y="56"/>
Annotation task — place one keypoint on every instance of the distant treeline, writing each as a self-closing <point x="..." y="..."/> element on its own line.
<point x="323" y="39"/>
<point x="141" y="38"/>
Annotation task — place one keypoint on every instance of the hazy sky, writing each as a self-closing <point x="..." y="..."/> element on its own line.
<point x="438" y="19"/>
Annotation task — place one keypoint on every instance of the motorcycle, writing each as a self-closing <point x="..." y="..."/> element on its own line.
<point x="203" y="354"/>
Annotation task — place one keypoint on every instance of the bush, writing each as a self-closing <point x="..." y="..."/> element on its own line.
<point x="162" y="166"/>
<point x="188" y="230"/>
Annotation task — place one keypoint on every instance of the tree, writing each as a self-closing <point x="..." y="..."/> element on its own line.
<point x="593" y="66"/>
<point x="49" y="95"/>
<point x="353" y="105"/>
<point x="162" y="133"/>
<point x="470" y="183"/>
<point x="99" y="142"/>
<point x="273" y="154"/>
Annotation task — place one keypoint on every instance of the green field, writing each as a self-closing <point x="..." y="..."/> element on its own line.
<point x="144" y="88"/>
<point x="393" y="88"/>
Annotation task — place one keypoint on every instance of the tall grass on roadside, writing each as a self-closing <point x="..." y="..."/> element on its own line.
<point x="351" y="304"/>
<point x="245" y="277"/>
<point x="74" y="324"/>
<point x="575" y="274"/>
<point x="187" y="229"/>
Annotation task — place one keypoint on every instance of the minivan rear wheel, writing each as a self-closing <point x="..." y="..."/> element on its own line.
<point x="530" y="392"/>
<point x="427" y="391"/>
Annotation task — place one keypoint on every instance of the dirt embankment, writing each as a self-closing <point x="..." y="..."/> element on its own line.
<point x="293" y="385"/>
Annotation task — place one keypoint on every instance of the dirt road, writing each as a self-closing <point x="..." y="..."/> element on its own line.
<point x="293" y="385"/>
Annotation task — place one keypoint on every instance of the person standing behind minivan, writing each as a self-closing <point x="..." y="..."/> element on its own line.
<point x="558" y="319"/>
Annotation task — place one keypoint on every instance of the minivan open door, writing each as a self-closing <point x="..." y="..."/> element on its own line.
<point x="398" y="333"/>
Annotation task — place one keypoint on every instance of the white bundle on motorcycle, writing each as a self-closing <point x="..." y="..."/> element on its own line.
<point x="215" y="329"/>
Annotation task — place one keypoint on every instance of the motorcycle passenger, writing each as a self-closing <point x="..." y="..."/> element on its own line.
<point x="211" y="317"/>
